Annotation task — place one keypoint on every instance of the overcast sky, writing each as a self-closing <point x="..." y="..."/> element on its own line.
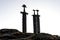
<point x="49" y="11"/>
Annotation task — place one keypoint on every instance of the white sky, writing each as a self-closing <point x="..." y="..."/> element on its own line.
<point x="10" y="16"/>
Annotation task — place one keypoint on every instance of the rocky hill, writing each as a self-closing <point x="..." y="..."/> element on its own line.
<point x="13" y="34"/>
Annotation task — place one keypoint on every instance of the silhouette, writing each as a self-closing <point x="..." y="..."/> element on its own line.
<point x="36" y="22"/>
<point x="24" y="19"/>
<point x="14" y="34"/>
